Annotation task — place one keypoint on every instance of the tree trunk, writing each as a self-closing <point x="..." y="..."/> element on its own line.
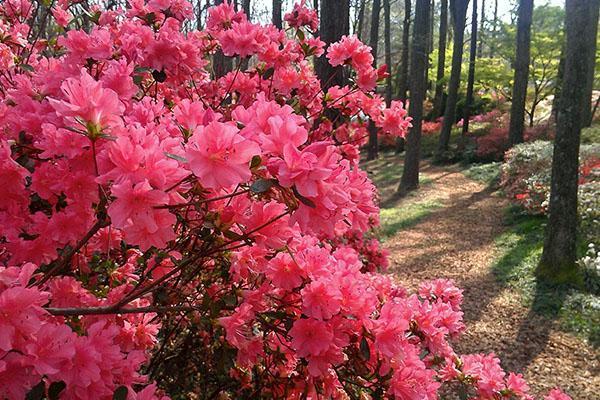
<point x="458" y="8"/>
<point x="522" y="59"/>
<point x="560" y="74"/>
<point x="430" y="44"/>
<point x="495" y="30"/>
<point x="361" y="17"/>
<point x="471" y="77"/>
<point x="246" y="8"/>
<point x="403" y="74"/>
<point x="438" y="102"/>
<point x="373" y="147"/>
<point x="558" y="257"/>
<point x="335" y="23"/>
<point x="277" y="21"/>
<point x="481" y="30"/>
<point x="388" y="51"/>
<point x="589" y="79"/>
<point x="418" y="88"/>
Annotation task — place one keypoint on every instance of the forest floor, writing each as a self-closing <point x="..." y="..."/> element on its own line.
<point x="450" y="228"/>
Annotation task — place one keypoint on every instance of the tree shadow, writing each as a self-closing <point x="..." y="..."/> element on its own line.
<point x="534" y="331"/>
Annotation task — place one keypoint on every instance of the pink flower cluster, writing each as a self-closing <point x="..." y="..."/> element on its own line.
<point x="156" y="215"/>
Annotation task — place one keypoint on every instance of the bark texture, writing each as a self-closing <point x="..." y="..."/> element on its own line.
<point x="438" y="102"/>
<point x="418" y="88"/>
<point x="458" y="10"/>
<point x="471" y="75"/>
<point x="277" y="21"/>
<point x="522" y="59"/>
<point x="373" y="146"/>
<point x="559" y="255"/>
<point x="388" y="50"/>
<point x="589" y="80"/>
<point x="335" y="23"/>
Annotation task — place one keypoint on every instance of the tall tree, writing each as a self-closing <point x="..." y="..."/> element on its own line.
<point x="418" y="89"/>
<point x="522" y="59"/>
<point x="589" y="80"/>
<point x="438" y="102"/>
<point x="373" y="146"/>
<point x="430" y="41"/>
<point x="494" y="30"/>
<point x="558" y="257"/>
<point x="388" y="50"/>
<point x="458" y="11"/>
<point x="335" y="23"/>
<point x="471" y="76"/>
<point x="277" y="21"/>
<point x="559" y="83"/>
<point x="361" y="18"/>
<point x="481" y="30"/>
<point x="403" y="69"/>
<point x="246" y="8"/>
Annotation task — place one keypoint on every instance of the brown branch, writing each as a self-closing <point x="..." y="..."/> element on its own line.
<point x="66" y="259"/>
<point x="76" y="311"/>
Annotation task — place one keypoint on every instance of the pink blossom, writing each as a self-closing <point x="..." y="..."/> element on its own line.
<point x="134" y="211"/>
<point x="311" y="337"/>
<point x="394" y="120"/>
<point x="219" y="156"/>
<point x="87" y="100"/>
<point x="284" y="272"/>
<point x="321" y="299"/>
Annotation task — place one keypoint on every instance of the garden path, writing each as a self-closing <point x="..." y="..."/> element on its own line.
<point x="457" y="241"/>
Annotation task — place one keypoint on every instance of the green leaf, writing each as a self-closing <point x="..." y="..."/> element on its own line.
<point x="142" y="69"/>
<point x="300" y="35"/>
<point x="27" y="67"/>
<point x="268" y="73"/>
<point x="55" y="389"/>
<point x="256" y="161"/>
<point x="176" y="157"/>
<point x="233" y="235"/>
<point x="365" y="351"/>
<point x="36" y="392"/>
<point x="261" y="185"/>
<point x="120" y="393"/>
<point x="138" y="79"/>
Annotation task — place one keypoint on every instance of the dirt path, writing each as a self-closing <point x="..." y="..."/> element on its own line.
<point x="457" y="241"/>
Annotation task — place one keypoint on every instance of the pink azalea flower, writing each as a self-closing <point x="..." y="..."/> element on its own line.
<point x="134" y="211"/>
<point x="284" y="272"/>
<point x="219" y="156"/>
<point x="311" y="337"/>
<point x="321" y="299"/>
<point x="517" y="385"/>
<point x="88" y="101"/>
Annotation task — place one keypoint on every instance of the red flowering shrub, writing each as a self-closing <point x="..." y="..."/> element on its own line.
<point x="494" y="144"/>
<point x="168" y="231"/>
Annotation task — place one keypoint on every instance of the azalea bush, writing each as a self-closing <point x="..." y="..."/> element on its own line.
<point x="173" y="227"/>
<point x="526" y="176"/>
<point x="494" y="142"/>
